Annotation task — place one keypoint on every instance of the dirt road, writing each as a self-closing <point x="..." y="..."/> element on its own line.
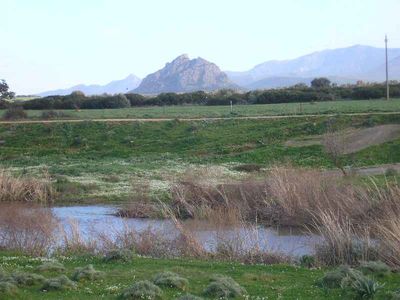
<point x="34" y="121"/>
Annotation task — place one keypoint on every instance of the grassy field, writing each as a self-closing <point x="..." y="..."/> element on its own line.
<point x="103" y="159"/>
<point x="260" y="282"/>
<point x="329" y="107"/>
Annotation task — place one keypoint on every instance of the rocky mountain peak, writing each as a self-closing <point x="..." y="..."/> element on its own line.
<point x="185" y="75"/>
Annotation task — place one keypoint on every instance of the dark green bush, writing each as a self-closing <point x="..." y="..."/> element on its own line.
<point x="8" y="289"/>
<point x="223" y="287"/>
<point x="23" y="278"/>
<point x="170" y="279"/>
<point x="58" y="283"/>
<point x="86" y="273"/>
<point x="124" y="255"/>
<point x="15" y="113"/>
<point x="143" y="290"/>
<point x="377" y="268"/>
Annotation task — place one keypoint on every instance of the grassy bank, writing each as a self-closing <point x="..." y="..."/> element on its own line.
<point x="328" y="107"/>
<point x="101" y="160"/>
<point x="260" y="282"/>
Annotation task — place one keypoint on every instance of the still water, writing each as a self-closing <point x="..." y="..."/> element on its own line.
<point x="99" y="218"/>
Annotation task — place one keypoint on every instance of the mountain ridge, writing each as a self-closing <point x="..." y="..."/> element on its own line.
<point x="114" y="87"/>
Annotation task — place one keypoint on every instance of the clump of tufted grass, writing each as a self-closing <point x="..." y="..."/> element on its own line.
<point x="333" y="279"/>
<point x="60" y="283"/>
<point x="363" y="286"/>
<point x="171" y="279"/>
<point x="51" y="266"/>
<point x="23" y="278"/>
<point x="189" y="297"/>
<point x="86" y="273"/>
<point x="124" y="255"/>
<point x="394" y="295"/>
<point x="142" y="290"/>
<point x="223" y="287"/>
<point x="8" y="289"/>
<point x="377" y="268"/>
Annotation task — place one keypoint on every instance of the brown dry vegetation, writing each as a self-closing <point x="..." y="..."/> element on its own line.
<point x="27" y="228"/>
<point x="25" y="189"/>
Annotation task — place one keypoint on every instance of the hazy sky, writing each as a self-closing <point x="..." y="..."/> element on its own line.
<point x="49" y="44"/>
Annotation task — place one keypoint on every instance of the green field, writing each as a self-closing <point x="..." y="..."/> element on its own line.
<point x="103" y="159"/>
<point x="260" y="282"/>
<point x="328" y="107"/>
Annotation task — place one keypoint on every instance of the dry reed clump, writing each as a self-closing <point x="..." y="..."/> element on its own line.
<point x="171" y="279"/>
<point x="223" y="287"/>
<point x="142" y="290"/>
<point x="73" y="242"/>
<point x="388" y="234"/>
<point x="140" y="209"/>
<point x="341" y="242"/>
<point x="25" y="189"/>
<point x="86" y="273"/>
<point x="27" y="228"/>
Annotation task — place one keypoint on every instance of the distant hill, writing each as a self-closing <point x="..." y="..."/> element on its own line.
<point x="185" y="75"/>
<point x="345" y="64"/>
<point x="114" y="87"/>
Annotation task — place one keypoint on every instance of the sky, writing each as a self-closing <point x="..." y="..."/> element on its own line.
<point x="51" y="44"/>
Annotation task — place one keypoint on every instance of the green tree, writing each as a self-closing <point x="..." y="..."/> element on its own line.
<point x="5" y="94"/>
<point x="320" y="82"/>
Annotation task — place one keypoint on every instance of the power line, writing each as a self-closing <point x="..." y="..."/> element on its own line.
<point x="387" y="69"/>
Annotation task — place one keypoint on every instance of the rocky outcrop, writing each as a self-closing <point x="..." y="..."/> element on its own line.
<point x="185" y="75"/>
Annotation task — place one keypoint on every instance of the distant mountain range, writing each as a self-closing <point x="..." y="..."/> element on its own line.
<point x="341" y="66"/>
<point x="114" y="87"/>
<point x="185" y="75"/>
<point x="344" y="65"/>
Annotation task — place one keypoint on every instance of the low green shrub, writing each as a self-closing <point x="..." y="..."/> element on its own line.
<point x="86" y="273"/>
<point x="60" y="283"/>
<point x="142" y="290"/>
<point x="223" y="287"/>
<point x="333" y="279"/>
<point x="363" y="286"/>
<point x="189" y="297"/>
<point x="170" y="279"/>
<point x="307" y="261"/>
<point x="8" y="289"/>
<point x="15" y="113"/>
<point x="51" y="267"/>
<point x="394" y="295"/>
<point x="377" y="268"/>
<point x="23" y="278"/>
<point x="124" y="255"/>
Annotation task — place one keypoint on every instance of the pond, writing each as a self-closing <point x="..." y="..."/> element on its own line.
<point x="100" y="218"/>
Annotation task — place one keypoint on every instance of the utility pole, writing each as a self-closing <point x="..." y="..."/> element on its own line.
<point x="387" y="70"/>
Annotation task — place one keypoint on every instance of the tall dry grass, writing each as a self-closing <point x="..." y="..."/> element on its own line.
<point x="27" y="228"/>
<point x="348" y="216"/>
<point x="26" y="189"/>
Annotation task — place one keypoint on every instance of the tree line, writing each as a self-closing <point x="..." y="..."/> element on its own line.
<point x="320" y="90"/>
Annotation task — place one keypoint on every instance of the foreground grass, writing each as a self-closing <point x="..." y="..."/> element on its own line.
<point x="190" y="111"/>
<point x="261" y="282"/>
<point x="103" y="159"/>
